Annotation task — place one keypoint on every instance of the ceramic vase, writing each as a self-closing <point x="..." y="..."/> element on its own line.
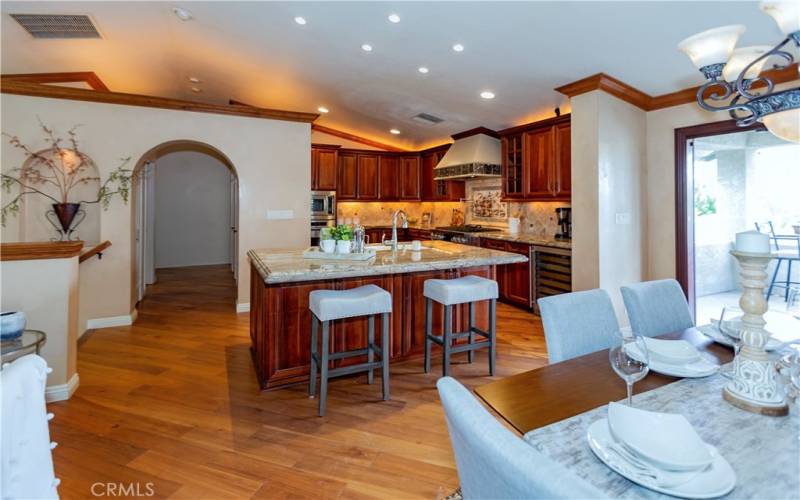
<point x="328" y="246"/>
<point x="344" y="246"/>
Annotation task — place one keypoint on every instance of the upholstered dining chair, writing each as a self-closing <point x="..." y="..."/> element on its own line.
<point x="656" y="307"/>
<point x="494" y="463"/>
<point x="577" y="323"/>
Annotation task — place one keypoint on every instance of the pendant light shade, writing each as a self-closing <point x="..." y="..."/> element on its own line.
<point x="785" y="124"/>
<point x="712" y="46"/>
<point x="743" y="56"/>
<point x="786" y="14"/>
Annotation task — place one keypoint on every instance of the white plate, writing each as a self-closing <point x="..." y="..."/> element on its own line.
<point x="718" y="480"/>
<point x="700" y="368"/>
<point x="671" y="351"/>
<point x="666" y="439"/>
<point x="711" y="331"/>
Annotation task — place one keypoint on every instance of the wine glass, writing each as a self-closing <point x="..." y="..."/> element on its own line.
<point x="793" y="302"/>
<point x="630" y="360"/>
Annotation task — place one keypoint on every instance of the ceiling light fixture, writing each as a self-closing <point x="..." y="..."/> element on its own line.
<point x="366" y="47"/>
<point x="458" y="47"/>
<point x="322" y="109"/>
<point x="194" y="79"/>
<point x="196" y="90"/>
<point x="394" y="18"/>
<point x="730" y="73"/>
<point x="394" y="131"/>
<point x="486" y="94"/>
<point x="183" y="14"/>
<point x="423" y="70"/>
<point x="300" y="20"/>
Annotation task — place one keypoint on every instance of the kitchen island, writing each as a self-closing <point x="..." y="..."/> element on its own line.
<point x="280" y="322"/>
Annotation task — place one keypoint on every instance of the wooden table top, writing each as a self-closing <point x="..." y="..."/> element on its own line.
<point x="554" y="392"/>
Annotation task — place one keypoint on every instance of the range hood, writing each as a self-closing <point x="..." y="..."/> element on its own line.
<point x="477" y="155"/>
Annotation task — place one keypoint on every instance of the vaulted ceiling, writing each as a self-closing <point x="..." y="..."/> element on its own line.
<point x="256" y="53"/>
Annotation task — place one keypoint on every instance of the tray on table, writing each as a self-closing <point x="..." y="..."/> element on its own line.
<point x="317" y="253"/>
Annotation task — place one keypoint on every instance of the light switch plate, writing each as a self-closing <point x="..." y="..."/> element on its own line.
<point x="623" y="218"/>
<point x="280" y="214"/>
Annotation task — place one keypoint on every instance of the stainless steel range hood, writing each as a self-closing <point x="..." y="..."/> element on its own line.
<point x="471" y="157"/>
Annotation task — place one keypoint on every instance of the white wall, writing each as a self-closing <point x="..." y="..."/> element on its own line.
<point x="272" y="159"/>
<point x="192" y="212"/>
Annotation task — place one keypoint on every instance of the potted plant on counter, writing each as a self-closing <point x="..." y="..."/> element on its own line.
<point x="326" y="241"/>
<point x="344" y="238"/>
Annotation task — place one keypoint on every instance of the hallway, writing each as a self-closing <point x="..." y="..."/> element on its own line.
<point x="173" y="401"/>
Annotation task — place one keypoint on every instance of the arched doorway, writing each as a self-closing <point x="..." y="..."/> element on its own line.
<point x="185" y="213"/>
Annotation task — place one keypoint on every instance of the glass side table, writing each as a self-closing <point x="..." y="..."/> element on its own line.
<point x="29" y="342"/>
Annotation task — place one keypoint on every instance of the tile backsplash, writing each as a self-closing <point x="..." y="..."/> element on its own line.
<point x="537" y="216"/>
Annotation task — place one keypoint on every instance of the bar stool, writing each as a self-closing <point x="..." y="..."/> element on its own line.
<point x="469" y="289"/>
<point x="330" y="305"/>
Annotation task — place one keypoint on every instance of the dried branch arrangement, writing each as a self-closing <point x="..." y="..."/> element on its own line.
<point x="59" y="169"/>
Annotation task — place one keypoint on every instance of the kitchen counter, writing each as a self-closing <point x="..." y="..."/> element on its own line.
<point x="528" y="238"/>
<point x="290" y="266"/>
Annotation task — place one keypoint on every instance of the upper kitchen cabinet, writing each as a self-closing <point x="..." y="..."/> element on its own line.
<point x="537" y="161"/>
<point x="367" y="184"/>
<point x="432" y="190"/>
<point x="324" y="159"/>
<point x="388" y="174"/>
<point x="409" y="177"/>
<point x="347" y="180"/>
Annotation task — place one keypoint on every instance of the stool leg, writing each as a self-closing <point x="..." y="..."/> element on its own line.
<point x="774" y="276"/>
<point x="428" y="333"/>
<point x="788" y="280"/>
<point x="492" y="335"/>
<point x="312" y="380"/>
<point x="370" y="343"/>
<point x="471" y="354"/>
<point x="323" y="382"/>
<point x="446" y="338"/>
<point x="385" y="347"/>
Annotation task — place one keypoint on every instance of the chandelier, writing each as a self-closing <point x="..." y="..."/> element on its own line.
<point x="732" y="73"/>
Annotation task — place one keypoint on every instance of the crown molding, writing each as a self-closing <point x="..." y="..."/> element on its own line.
<point x="90" y="78"/>
<point x="632" y="95"/>
<point x="475" y="131"/>
<point x="13" y="86"/>
<point x="356" y="138"/>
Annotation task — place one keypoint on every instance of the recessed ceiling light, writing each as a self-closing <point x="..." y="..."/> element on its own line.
<point x="458" y="47"/>
<point x="422" y="69"/>
<point x="322" y="109"/>
<point x="394" y="18"/>
<point x="194" y="79"/>
<point x="196" y="90"/>
<point x="366" y="47"/>
<point x="300" y="20"/>
<point x="183" y="14"/>
<point x="487" y="94"/>
<point x="394" y="131"/>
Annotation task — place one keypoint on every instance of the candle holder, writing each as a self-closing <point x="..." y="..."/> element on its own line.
<point x="754" y="386"/>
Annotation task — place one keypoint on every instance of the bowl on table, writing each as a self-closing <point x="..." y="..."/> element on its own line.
<point x="12" y="324"/>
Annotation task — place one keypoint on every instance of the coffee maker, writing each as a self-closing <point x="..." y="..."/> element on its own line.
<point x="564" y="215"/>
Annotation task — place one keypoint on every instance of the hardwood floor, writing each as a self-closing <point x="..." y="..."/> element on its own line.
<point x="173" y="401"/>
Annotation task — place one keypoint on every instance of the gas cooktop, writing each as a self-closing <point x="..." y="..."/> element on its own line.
<point x="470" y="228"/>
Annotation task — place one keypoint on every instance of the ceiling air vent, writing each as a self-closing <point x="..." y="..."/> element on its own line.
<point x="57" y="25"/>
<point x="427" y="119"/>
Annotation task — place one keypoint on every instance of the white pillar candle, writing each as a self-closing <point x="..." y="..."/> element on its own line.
<point x="752" y="242"/>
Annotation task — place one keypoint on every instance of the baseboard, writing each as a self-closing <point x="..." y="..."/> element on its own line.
<point x="194" y="264"/>
<point x="243" y="307"/>
<point x="62" y="392"/>
<point x="112" y="321"/>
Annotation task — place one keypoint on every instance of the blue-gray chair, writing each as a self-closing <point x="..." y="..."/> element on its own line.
<point x="494" y="463"/>
<point x="577" y="323"/>
<point x="656" y="307"/>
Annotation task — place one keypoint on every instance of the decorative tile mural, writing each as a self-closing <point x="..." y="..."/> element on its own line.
<point x="487" y="205"/>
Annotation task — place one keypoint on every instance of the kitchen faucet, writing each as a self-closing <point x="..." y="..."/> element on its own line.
<point x="393" y="241"/>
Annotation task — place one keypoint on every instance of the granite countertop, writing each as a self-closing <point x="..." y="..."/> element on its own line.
<point x="287" y="266"/>
<point x="528" y="238"/>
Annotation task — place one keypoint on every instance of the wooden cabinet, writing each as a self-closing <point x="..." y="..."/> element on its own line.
<point x="367" y="183"/>
<point x="537" y="161"/>
<point x="324" y="167"/>
<point x="432" y="190"/>
<point x="419" y="234"/>
<point x="389" y="170"/>
<point x="409" y="177"/>
<point x="347" y="179"/>
<point x="513" y="280"/>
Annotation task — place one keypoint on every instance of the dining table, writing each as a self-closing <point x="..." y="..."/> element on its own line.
<point x="553" y="407"/>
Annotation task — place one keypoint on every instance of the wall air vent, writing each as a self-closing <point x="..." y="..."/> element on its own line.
<point x="57" y="25"/>
<point x="427" y="119"/>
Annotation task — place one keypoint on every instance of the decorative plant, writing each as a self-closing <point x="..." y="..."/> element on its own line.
<point x="705" y="204"/>
<point x="326" y="233"/>
<point x="63" y="166"/>
<point x="342" y="232"/>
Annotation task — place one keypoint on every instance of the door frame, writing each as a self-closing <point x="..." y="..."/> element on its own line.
<point x="684" y="204"/>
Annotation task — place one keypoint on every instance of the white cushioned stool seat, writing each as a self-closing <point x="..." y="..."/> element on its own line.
<point x="460" y="290"/>
<point x="337" y="304"/>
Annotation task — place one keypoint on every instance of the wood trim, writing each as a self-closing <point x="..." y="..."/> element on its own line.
<point x="315" y="145"/>
<point x="37" y="250"/>
<point x="548" y="122"/>
<point x="10" y="86"/>
<point x="684" y="204"/>
<point x="88" y="77"/>
<point x="356" y="138"/>
<point x="632" y="95"/>
<point x="97" y="250"/>
<point x="475" y="131"/>
<point x="435" y="149"/>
